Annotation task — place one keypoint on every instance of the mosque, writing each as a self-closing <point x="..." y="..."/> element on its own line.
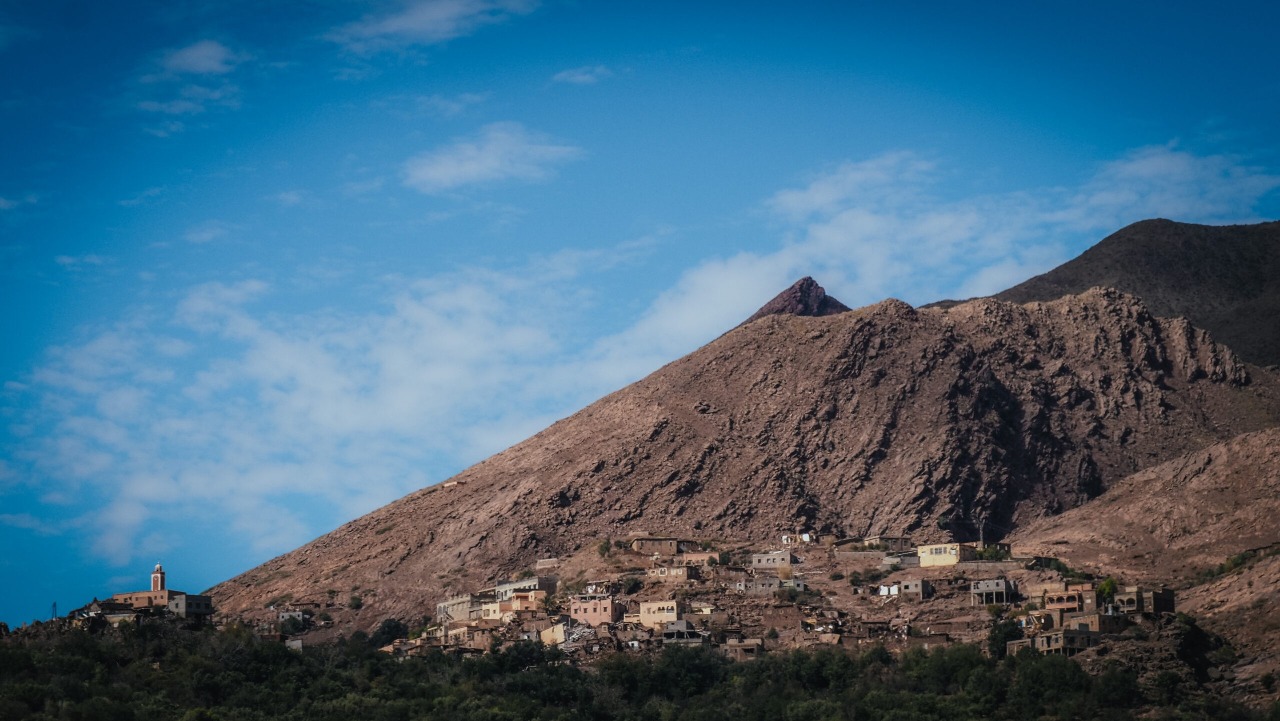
<point x="186" y="605"/>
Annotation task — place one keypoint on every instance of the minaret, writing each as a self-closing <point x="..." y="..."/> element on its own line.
<point x="157" y="579"/>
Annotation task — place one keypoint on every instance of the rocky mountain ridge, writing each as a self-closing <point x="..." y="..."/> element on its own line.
<point x="937" y="423"/>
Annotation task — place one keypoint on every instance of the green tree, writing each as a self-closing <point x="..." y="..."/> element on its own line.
<point x="1107" y="589"/>
<point x="1002" y="632"/>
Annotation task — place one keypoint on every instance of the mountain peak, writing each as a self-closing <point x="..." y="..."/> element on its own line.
<point x="804" y="298"/>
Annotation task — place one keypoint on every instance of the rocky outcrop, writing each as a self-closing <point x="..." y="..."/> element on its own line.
<point x="938" y="423"/>
<point x="1225" y="279"/>
<point x="804" y="298"/>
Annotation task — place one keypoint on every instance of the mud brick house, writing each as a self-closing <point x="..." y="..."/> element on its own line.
<point x="893" y="544"/>
<point x="1073" y="597"/>
<point x="674" y="573"/>
<point x="1135" y="600"/>
<point x="1062" y="642"/>
<point x="661" y="545"/>
<point x="772" y="560"/>
<point x="594" y="610"/>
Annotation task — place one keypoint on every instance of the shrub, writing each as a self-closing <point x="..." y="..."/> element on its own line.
<point x="355" y="603"/>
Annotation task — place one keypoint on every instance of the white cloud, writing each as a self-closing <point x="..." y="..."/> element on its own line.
<point x="12" y="203"/>
<point x="448" y="105"/>
<point x="142" y="197"/>
<point x="427" y="22"/>
<point x="499" y="151"/>
<point x="206" y="57"/>
<point x="289" y="198"/>
<point x="586" y="75"/>
<point x="79" y="261"/>
<point x="205" y="232"/>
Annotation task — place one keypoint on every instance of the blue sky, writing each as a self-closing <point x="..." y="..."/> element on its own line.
<point x="269" y="265"/>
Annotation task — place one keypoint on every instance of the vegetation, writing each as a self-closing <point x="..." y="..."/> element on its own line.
<point x="993" y="553"/>
<point x="159" y="672"/>
<point x="1066" y="571"/>
<point x="1240" y="560"/>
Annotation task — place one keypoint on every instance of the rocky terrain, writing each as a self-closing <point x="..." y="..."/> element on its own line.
<point x="1205" y="523"/>
<point x="938" y="423"/>
<point x="1225" y="279"/>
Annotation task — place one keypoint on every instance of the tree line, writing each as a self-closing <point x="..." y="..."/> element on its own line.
<point x="157" y="671"/>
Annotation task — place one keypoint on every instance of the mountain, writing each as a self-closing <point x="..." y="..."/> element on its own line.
<point x="804" y="298"/>
<point x="1225" y="279"/>
<point x="938" y="422"/>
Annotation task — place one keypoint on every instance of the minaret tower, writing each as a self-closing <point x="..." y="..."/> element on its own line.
<point x="157" y="579"/>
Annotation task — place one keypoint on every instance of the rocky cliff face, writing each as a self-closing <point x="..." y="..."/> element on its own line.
<point x="1225" y="279"/>
<point x="939" y="423"/>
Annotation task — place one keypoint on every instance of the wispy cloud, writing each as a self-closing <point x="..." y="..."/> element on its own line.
<point x="586" y="75"/>
<point x="142" y="197"/>
<point x="427" y="22"/>
<point x="76" y="262"/>
<point x="189" y="81"/>
<point x="499" y="151"/>
<point x="448" y="105"/>
<point x="12" y="203"/>
<point x="206" y="232"/>
<point x="206" y="57"/>
<point x="289" y="198"/>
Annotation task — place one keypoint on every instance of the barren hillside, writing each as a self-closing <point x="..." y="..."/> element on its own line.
<point x="937" y="423"/>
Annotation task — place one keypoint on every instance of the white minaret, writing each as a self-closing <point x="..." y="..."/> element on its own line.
<point x="157" y="579"/>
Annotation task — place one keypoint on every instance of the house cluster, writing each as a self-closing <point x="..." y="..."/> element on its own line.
<point x="596" y="616"/>
<point x="159" y="600"/>
<point x="1071" y="617"/>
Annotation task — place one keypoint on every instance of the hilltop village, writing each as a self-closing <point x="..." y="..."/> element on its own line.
<point x="804" y="590"/>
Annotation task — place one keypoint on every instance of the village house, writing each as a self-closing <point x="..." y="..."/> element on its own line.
<point x="594" y="609"/>
<point x="504" y="591"/>
<point x="674" y="573"/>
<point x="660" y="545"/>
<point x="767" y="585"/>
<point x="1135" y="600"/>
<point x="945" y="554"/>
<point x="701" y="559"/>
<point x="772" y="560"/>
<point x="682" y="633"/>
<point x="892" y="544"/>
<point x="915" y="589"/>
<point x="742" y="649"/>
<point x="656" y="614"/>
<point x="1072" y="597"/>
<point x="463" y="607"/>
<point x="1106" y="623"/>
<point x="991" y="591"/>
<point x="1062" y="642"/>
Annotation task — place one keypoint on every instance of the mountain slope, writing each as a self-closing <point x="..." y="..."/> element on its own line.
<point x="1173" y="521"/>
<point x="934" y="422"/>
<point x="1225" y="279"/>
<point x="1177" y="522"/>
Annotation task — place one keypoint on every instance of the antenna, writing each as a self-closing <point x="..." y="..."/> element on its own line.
<point x="55" y="612"/>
